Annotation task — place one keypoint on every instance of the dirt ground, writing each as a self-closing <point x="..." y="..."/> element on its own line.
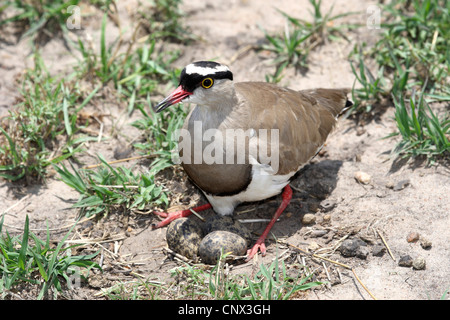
<point x="342" y="207"/>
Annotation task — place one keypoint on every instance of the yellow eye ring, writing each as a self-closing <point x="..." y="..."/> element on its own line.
<point x="207" y="83"/>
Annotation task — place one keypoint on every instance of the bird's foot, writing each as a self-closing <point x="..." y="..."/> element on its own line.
<point x="170" y="216"/>
<point x="259" y="245"/>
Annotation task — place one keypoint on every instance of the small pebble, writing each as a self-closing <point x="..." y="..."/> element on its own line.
<point x="318" y="233"/>
<point x="327" y="218"/>
<point x="378" y="250"/>
<point x="401" y="185"/>
<point x="413" y="237"/>
<point x="362" y="177"/>
<point x="390" y="184"/>
<point x="419" y="264"/>
<point x="122" y="151"/>
<point x="405" y="261"/>
<point x="425" y="243"/>
<point x="308" y="218"/>
<point x="327" y="205"/>
<point x="362" y="252"/>
<point x="381" y="194"/>
<point x="349" y="247"/>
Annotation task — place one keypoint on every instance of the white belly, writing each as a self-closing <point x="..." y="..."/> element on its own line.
<point x="263" y="185"/>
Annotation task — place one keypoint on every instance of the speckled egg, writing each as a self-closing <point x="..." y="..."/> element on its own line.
<point x="227" y="223"/>
<point x="183" y="236"/>
<point x="211" y="245"/>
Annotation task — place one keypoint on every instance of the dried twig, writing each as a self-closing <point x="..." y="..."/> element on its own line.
<point x="197" y="215"/>
<point x="339" y="275"/>
<point x="177" y="256"/>
<point x="14" y="205"/>
<point x="120" y="160"/>
<point x="246" y="210"/>
<point x="254" y="220"/>
<point x="385" y="244"/>
<point x="100" y="134"/>
<point x="118" y="186"/>
<point x="360" y="282"/>
<point x="326" y="271"/>
<point x="97" y="240"/>
<point x="336" y="263"/>
<point x="68" y="226"/>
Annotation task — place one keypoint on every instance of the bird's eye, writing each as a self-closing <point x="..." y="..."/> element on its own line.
<point x="207" y="83"/>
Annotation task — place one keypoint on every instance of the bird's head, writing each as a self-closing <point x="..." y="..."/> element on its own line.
<point x="201" y="82"/>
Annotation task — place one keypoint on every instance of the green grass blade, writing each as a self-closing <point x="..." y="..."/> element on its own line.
<point x="416" y="125"/>
<point x="67" y="122"/>
<point x="36" y="26"/>
<point x="88" y="98"/>
<point x="24" y="246"/>
<point x="12" y="146"/>
<point x="51" y="265"/>
<point x="103" y="50"/>
<point x="72" y="180"/>
<point x="40" y="266"/>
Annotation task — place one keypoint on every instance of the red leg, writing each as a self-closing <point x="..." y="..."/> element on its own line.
<point x="259" y="245"/>
<point x="169" y="217"/>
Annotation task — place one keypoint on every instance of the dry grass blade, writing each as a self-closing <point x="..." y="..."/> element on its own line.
<point x="197" y="215"/>
<point x="97" y="240"/>
<point x="119" y="161"/>
<point x="362" y="284"/>
<point x="178" y="256"/>
<point x="386" y="245"/>
<point x="336" y="263"/>
<point x="14" y="205"/>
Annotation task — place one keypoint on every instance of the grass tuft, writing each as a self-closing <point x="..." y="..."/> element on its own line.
<point x="28" y="259"/>
<point x="108" y="189"/>
<point x="42" y="128"/>
<point x="422" y="132"/>
<point x="269" y="283"/>
<point x="300" y="37"/>
<point x="42" y="19"/>
<point x="412" y="55"/>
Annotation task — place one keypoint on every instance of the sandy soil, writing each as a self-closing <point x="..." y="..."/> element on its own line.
<point x="327" y="187"/>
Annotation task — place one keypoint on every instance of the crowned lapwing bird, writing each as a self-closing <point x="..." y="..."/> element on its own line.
<point x="244" y="141"/>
